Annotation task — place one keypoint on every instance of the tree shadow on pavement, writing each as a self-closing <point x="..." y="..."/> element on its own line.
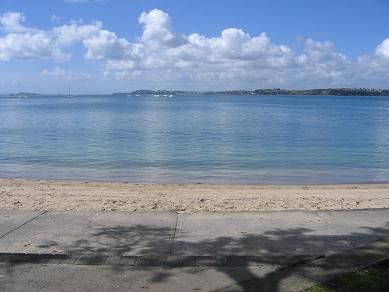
<point x="278" y="247"/>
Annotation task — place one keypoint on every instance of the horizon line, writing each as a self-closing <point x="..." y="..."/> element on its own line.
<point x="138" y="91"/>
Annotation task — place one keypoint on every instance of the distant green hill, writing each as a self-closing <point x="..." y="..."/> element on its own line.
<point x="327" y="91"/>
<point x="274" y="91"/>
<point x="266" y="91"/>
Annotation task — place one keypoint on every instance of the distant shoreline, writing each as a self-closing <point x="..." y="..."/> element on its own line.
<point x="115" y="196"/>
<point x="256" y="92"/>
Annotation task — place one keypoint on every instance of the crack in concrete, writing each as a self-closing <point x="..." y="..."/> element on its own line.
<point x="21" y="225"/>
<point x="174" y="236"/>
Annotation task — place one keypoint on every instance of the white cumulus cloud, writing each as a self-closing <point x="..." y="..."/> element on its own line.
<point x="234" y="55"/>
<point x="374" y="67"/>
<point x="163" y="56"/>
<point x="157" y="30"/>
<point x="105" y="44"/>
<point x="69" y="34"/>
<point x="67" y="74"/>
<point x="30" y="46"/>
<point x="13" y="22"/>
<point x="23" y="42"/>
<point x="238" y="59"/>
<point x="383" y="49"/>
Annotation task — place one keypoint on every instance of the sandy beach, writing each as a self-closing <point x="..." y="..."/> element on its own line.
<point x="105" y="196"/>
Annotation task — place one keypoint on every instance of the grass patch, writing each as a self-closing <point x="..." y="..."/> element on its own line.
<point x="366" y="280"/>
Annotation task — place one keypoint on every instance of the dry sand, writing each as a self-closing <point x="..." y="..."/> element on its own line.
<point x="103" y="196"/>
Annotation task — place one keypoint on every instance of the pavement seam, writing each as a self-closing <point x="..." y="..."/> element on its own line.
<point x="147" y="261"/>
<point x="21" y="225"/>
<point x="174" y="236"/>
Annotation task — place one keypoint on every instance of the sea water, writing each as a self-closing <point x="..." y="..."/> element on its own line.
<point x="196" y="139"/>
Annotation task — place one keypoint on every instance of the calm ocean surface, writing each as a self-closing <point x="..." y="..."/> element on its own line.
<point x="197" y="139"/>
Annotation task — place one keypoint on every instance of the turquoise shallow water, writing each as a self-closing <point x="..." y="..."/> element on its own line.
<point x="197" y="139"/>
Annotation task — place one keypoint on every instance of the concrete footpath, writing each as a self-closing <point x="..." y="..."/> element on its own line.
<point x="165" y="251"/>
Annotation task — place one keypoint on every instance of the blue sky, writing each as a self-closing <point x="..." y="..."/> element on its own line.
<point x="106" y="46"/>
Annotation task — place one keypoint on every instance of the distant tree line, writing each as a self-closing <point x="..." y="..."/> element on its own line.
<point x="327" y="91"/>
<point x="272" y="91"/>
<point x="266" y="91"/>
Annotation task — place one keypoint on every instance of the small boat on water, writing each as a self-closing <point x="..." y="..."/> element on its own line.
<point x="163" y="95"/>
<point x="69" y="95"/>
<point x="19" y="95"/>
